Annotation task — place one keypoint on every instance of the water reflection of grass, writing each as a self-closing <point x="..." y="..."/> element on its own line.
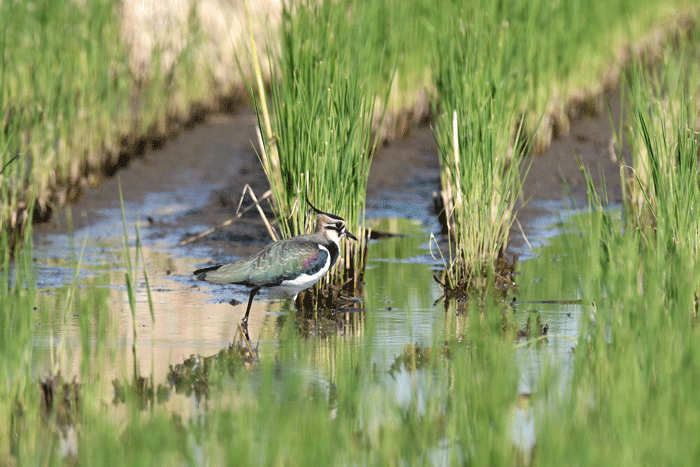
<point x="397" y="269"/>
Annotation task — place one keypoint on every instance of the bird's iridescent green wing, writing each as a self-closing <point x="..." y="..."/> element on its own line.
<point x="285" y="260"/>
<point x="273" y="264"/>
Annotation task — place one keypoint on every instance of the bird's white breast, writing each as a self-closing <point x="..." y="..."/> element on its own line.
<point x="303" y="281"/>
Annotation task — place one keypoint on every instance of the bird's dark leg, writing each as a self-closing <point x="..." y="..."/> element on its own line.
<point x="244" y="321"/>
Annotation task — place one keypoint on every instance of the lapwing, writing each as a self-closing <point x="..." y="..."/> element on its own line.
<point x="285" y="267"/>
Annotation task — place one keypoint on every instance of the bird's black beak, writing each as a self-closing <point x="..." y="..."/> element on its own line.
<point x="349" y="235"/>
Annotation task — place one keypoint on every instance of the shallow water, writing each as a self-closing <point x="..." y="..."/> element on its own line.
<point x="194" y="317"/>
<point x="401" y="300"/>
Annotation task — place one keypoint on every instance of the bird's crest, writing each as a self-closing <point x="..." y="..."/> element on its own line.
<point x="318" y="211"/>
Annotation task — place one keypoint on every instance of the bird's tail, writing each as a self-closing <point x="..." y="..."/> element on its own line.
<point x="202" y="273"/>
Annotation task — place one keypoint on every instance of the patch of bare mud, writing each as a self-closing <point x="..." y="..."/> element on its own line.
<point x="200" y="176"/>
<point x="554" y="179"/>
<point x="556" y="171"/>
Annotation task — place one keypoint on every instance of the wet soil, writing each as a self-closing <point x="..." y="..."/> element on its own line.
<point x="210" y="164"/>
<point x="206" y="166"/>
<point x="554" y="178"/>
<point x="556" y="171"/>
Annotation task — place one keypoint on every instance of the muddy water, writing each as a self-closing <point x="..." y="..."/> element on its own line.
<point x="195" y="181"/>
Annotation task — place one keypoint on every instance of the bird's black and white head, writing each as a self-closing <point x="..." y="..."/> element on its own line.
<point x="331" y="226"/>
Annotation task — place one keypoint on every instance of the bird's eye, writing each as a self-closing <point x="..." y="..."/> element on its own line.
<point x="339" y="226"/>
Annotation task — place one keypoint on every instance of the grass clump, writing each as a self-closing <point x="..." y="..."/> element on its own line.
<point x="634" y="359"/>
<point x="508" y="79"/>
<point x="663" y="193"/>
<point x="321" y="129"/>
<point x="71" y="106"/>
<point x="480" y="177"/>
<point x="64" y="92"/>
<point x="636" y="363"/>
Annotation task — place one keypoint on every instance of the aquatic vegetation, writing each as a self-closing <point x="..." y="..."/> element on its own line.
<point x="317" y="135"/>
<point x="480" y="176"/>
<point x="80" y="96"/>
<point x="488" y="82"/>
<point x="635" y="359"/>
<point x="71" y="107"/>
<point x="663" y="194"/>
